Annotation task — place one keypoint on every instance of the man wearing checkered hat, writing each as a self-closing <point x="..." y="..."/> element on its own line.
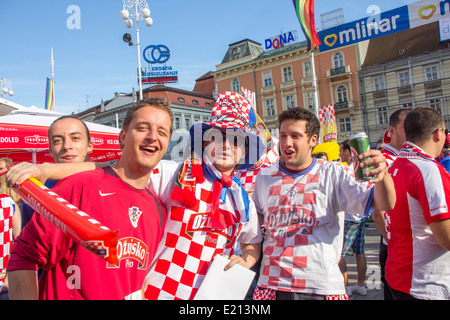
<point x="209" y="210"/>
<point x="303" y="200"/>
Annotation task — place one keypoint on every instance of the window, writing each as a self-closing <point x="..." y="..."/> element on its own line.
<point x="403" y="78"/>
<point x="307" y="69"/>
<point x="177" y="123"/>
<point x="345" y="125"/>
<point x="378" y="83"/>
<point x="270" y="107"/>
<point x="187" y="122"/>
<point x="435" y="104"/>
<point x="382" y="115"/>
<point x="342" y="94"/>
<point x="408" y="105"/>
<point x="235" y="85"/>
<point x="310" y="99"/>
<point x="195" y="102"/>
<point x="431" y="72"/>
<point x="267" y="78"/>
<point x="287" y="74"/>
<point x="338" y="60"/>
<point x="290" y="102"/>
<point x="180" y="99"/>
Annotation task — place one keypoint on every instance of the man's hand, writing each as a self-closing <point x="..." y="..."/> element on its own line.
<point x="378" y="163"/>
<point x="25" y="170"/>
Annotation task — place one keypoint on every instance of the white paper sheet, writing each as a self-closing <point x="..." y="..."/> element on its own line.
<point x="219" y="284"/>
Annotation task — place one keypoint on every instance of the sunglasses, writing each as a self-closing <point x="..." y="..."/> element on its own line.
<point x="445" y="130"/>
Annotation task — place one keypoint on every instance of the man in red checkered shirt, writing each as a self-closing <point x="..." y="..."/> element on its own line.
<point x="303" y="200"/>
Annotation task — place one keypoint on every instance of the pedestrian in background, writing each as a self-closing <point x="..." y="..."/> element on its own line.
<point x="418" y="261"/>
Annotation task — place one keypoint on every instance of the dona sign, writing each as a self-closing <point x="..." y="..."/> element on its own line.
<point x="280" y="40"/>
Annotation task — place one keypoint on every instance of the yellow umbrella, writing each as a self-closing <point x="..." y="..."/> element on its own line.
<point x="330" y="148"/>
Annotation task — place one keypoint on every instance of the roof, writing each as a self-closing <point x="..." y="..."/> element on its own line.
<point x="206" y="84"/>
<point x="407" y="43"/>
<point x="242" y="49"/>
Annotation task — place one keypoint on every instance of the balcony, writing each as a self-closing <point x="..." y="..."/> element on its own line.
<point x="339" y="72"/>
<point x="341" y="105"/>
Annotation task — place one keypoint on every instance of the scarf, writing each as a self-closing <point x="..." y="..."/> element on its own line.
<point x="223" y="212"/>
<point x="410" y="150"/>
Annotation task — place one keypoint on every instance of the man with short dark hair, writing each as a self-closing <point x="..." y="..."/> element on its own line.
<point x="69" y="141"/>
<point x="418" y="260"/>
<point x="302" y="201"/>
<point x="393" y="142"/>
<point x="115" y="195"/>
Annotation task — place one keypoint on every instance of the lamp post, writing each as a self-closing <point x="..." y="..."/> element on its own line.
<point x="5" y="87"/>
<point x="136" y="10"/>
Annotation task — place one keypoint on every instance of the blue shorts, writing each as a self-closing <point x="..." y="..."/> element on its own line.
<point x="354" y="232"/>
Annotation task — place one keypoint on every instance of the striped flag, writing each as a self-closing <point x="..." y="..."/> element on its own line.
<point x="49" y="95"/>
<point x="305" y="14"/>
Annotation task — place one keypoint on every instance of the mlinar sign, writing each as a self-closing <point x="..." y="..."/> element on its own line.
<point x="281" y="39"/>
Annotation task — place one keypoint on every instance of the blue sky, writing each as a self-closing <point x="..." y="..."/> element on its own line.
<point x="93" y="62"/>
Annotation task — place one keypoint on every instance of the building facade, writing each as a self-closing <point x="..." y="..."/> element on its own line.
<point x="409" y="69"/>
<point x="282" y="79"/>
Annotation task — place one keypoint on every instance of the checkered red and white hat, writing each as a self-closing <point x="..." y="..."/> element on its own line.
<point x="231" y="111"/>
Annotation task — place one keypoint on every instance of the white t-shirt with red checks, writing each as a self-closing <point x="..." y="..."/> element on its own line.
<point x="189" y="244"/>
<point x="304" y="217"/>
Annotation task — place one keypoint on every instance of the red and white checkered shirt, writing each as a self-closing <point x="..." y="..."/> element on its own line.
<point x="304" y="219"/>
<point x="189" y="244"/>
<point x="6" y="232"/>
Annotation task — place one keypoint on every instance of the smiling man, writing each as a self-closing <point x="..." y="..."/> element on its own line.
<point x="69" y="141"/>
<point x="116" y="196"/>
<point x="302" y="201"/>
<point x="209" y="212"/>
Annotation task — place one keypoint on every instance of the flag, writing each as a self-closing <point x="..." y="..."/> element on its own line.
<point x="49" y="95"/>
<point x="327" y="119"/>
<point x="305" y="14"/>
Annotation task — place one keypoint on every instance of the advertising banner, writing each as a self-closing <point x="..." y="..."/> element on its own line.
<point x="406" y="17"/>
<point x="364" y="29"/>
<point x="427" y="11"/>
<point x="327" y="118"/>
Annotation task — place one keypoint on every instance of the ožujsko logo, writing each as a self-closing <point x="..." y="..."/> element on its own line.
<point x="202" y="222"/>
<point x="132" y="248"/>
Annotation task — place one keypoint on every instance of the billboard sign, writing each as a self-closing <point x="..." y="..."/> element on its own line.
<point x="280" y="40"/>
<point x="364" y="29"/>
<point x="157" y="72"/>
<point x="428" y="11"/>
<point x="406" y="17"/>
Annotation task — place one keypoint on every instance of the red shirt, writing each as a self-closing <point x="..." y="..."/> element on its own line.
<point x="417" y="264"/>
<point x="72" y="272"/>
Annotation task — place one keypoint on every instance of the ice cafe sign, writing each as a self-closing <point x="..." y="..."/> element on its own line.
<point x="281" y="39"/>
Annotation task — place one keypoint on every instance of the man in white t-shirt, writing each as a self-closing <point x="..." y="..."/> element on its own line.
<point x="302" y="201"/>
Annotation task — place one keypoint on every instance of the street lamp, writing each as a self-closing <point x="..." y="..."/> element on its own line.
<point x="5" y="87"/>
<point x="136" y="10"/>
